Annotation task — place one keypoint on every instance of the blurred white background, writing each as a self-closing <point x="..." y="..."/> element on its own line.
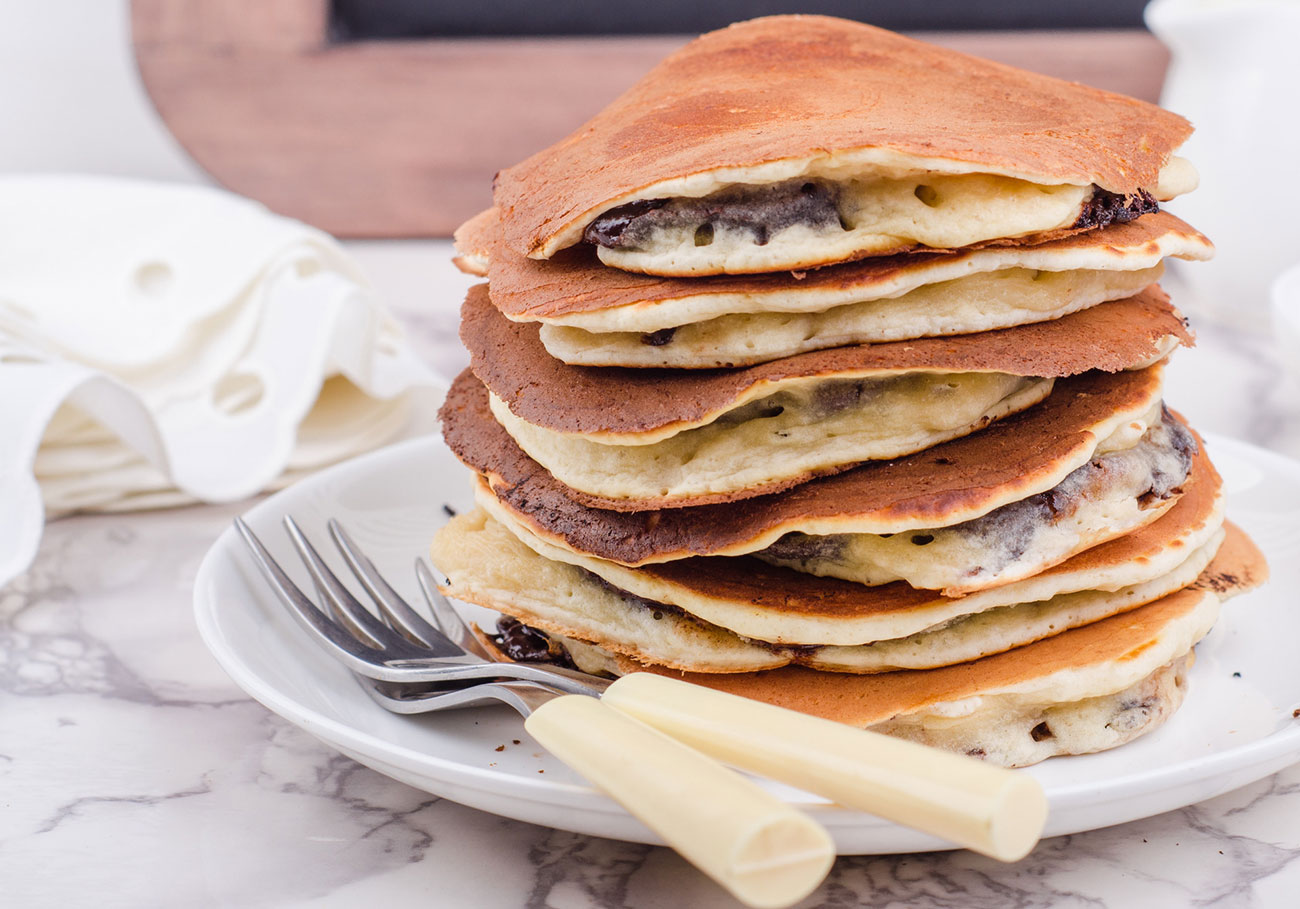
<point x="71" y="97"/>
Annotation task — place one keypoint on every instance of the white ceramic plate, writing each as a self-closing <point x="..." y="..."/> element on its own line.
<point x="1232" y="730"/>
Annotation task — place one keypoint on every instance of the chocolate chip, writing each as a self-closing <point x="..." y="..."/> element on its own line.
<point x="1105" y="208"/>
<point x="760" y="211"/>
<point x="658" y="338"/>
<point x="525" y="644"/>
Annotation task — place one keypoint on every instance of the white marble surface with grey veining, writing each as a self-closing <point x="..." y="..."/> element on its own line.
<point x="133" y="773"/>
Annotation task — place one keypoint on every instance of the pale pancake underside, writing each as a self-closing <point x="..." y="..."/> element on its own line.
<point x="885" y="212"/>
<point x="981" y="302"/>
<point x="645" y="306"/>
<point x="1074" y="710"/>
<point x="1120" y="430"/>
<point x="879" y="213"/>
<point x="1032" y="733"/>
<point x="1102" y="500"/>
<point x="1035" y="732"/>
<point x="789" y="434"/>
<point x="488" y="566"/>
<point x="784" y="626"/>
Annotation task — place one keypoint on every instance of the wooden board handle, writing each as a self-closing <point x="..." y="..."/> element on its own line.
<point x="990" y="809"/>
<point x="760" y="848"/>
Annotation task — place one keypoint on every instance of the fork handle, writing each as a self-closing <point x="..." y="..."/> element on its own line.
<point x="760" y="848"/>
<point x="984" y="807"/>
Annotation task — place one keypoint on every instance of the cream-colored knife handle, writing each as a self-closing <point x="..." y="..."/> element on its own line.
<point x="763" y="850"/>
<point x="981" y="806"/>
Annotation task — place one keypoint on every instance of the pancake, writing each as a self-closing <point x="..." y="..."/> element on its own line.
<point x="780" y="440"/>
<point x="680" y="439"/>
<point x="1114" y="493"/>
<point x="1111" y="495"/>
<point x="473" y="241"/>
<point x="598" y="316"/>
<point x="1025" y="454"/>
<point x="655" y="404"/>
<point x="488" y="566"/>
<point x="963" y="149"/>
<point x="765" y="603"/>
<point x="1086" y="689"/>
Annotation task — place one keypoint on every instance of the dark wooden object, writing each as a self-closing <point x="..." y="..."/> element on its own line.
<point x="401" y="139"/>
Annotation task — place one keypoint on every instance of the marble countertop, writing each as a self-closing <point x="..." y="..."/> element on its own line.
<point x="133" y="773"/>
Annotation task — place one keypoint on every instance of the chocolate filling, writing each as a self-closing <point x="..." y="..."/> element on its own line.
<point x="1010" y="529"/>
<point x="525" y="644"/>
<point x="657" y="609"/>
<point x="658" y="338"/>
<point x="831" y="397"/>
<point x="760" y="212"/>
<point x="1106" y="208"/>
<point x="764" y="211"/>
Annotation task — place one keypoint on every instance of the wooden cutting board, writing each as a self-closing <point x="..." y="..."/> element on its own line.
<point x="402" y="138"/>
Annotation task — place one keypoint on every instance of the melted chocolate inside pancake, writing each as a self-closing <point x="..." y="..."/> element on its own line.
<point x="762" y="211"/>
<point x="1016" y="457"/>
<point x="1108" y="496"/>
<point x="758" y="211"/>
<point x="1106" y="208"/>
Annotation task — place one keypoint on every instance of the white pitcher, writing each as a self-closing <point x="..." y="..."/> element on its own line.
<point x="1235" y="74"/>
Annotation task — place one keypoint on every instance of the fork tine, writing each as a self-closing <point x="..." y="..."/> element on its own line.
<point x="328" y="634"/>
<point x="448" y="619"/>
<point x="395" y="610"/>
<point x="341" y="600"/>
<point x="411" y="664"/>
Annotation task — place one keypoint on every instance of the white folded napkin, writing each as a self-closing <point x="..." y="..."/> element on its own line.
<point x="162" y="344"/>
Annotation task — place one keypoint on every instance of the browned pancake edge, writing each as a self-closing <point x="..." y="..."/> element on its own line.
<point x="509" y="358"/>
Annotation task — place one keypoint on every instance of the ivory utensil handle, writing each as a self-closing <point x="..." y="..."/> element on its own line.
<point x="767" y="853"/>
<point x="989" y="809"/>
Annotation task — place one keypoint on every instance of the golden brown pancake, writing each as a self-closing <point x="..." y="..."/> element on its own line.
<point x="793" y="87"/>
<point x="510" y="360"/>
<point x="771" y="603"/>
<point x="473" y="241"/>
<point x="1087" y="689"/>
<point x="485" y="565"/>
<point x="574" y="282"/>
<point x="864" y="700"/>
<point x="958" y="480"/>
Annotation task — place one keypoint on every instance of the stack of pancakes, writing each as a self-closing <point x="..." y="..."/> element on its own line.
<point x="825" y="367"/>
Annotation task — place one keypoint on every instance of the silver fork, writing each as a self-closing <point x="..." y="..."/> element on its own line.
<point x="764" y="851"/>
<point x="987" y="808"/>
<point x="399" y="645"/>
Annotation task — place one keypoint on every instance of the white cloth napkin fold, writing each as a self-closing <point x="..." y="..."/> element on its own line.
<point x="169" y="343"/>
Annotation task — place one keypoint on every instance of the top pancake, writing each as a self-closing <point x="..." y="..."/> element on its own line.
<point x="510" y="360"/>
<point x="574" y="284"/>
<point x="801" y="87"/>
